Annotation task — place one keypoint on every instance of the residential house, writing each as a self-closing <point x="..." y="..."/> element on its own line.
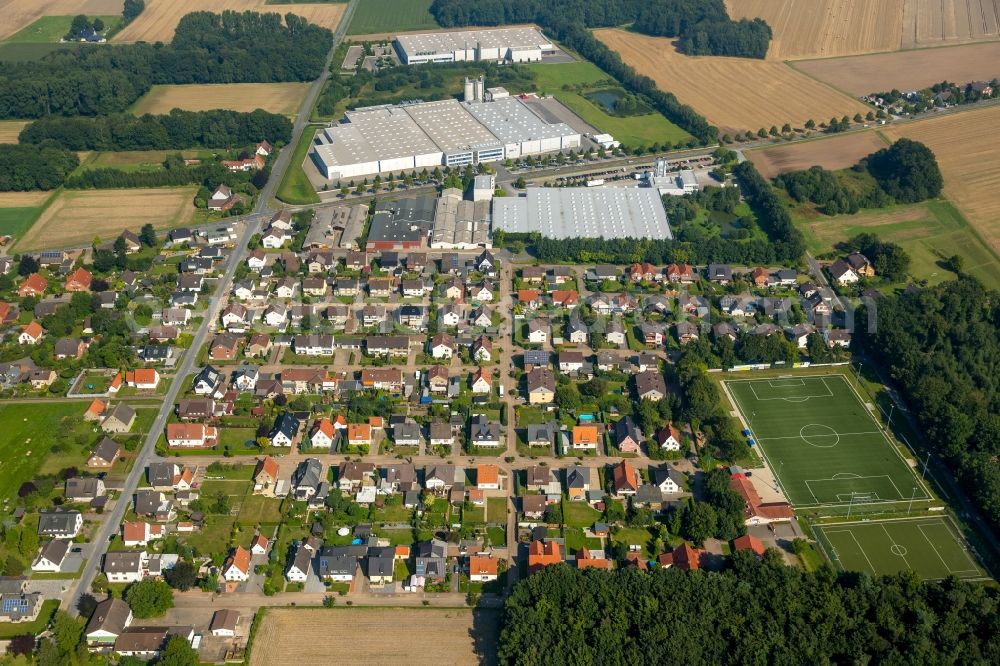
<point x="441" y="434"/>
<point x="123" y="567"/>
<point x="84" y="488"/>
<point x="236" y="568"/>
<point x="540" y="434"/>
<point x="487" y="477"/>
<point x="483" y="432"/>
<point x="353" y="475"/>
<point x="720" y="273"/>
<point x="541" y="386"/>
<point x="51" y="557"/>
<point x="190" y="435"/>
<point x="650" y="385"/>
<point x="265" y="474"/>
<point x="300" y="565"/>
<point x="861" y="265"/>
<point x="481" y="382"/>
<point x="579" y="481"/>
<point x="33" y="285"/>
<point x="669" y="438"/>
<point x="78" y="280"/>
<point x="585" y="438"/>
<point x="104" y="454"/>
<point x="439" y="478"/>
<point x="31" y="334"/>
<point x="542" y="554"/>
<point x="306" y="478"/>
<point x="140" y="533"/>
<point x="120" y="419"/>
<point x="106" y="624"/>
<point x="538" y="331"/>
<point x="570" y="362"/>
<point x="842" y="273"/>
<point x="624" y="479"/>
<point x="322" y="434"/>
<point x="628" y="438"/>
<point x="686" y="332"/>
<point x="69" y="348"/>
<point x="284" y="430"/>
<point x="668" y="479"/>
<point x="224" y="622"/>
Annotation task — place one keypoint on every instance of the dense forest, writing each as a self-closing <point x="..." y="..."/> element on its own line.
<point x="757" y="612"/>
<point x="703" y="26"/>
<point x="942" y="347"/>
<point x="231" y="47"/>
<point x="772" y="215"/>
<point x="41" y="167"/>
<point x="176" y="130"/>
<point x="905" y="172"/>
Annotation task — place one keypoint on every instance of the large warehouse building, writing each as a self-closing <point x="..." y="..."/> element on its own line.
<point x="428" y="134"/>
<point x="583" y="212"/>
<point x="500" y="45"/>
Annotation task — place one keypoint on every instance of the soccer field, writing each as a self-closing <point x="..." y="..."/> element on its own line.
<point x="822" y="443"/>
<point x="932" y="547"/>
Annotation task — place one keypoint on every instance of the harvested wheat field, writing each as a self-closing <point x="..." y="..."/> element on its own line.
<point x="413" y="636"/>
<point x="825" y="28"/>
<point x="736" y="94"/>
<point x="10" y="129"/>
<point x="937" y="22"/>
<point x="907" y="70"/>
<point x="76" y="217"/>
<point x="19" y="13"/>
<point x="22" y="199"/>
<point x="836" y="152"/>
<point x="283" y="98"/>
<point x="967" y="147"/>
<point x="160" y="18"/>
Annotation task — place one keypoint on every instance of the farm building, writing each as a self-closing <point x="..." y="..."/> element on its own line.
<point x="502" y="45"/>
<point x="588" y="212"/>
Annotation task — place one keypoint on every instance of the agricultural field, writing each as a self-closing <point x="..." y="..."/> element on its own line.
<point x="828" y="28"/>
<point x="768" y="92"/>
<point x="837" y="152"/>
<point x="77" y="217"/>
<point x="906" y="70"/>
<point x="930" y="232"/>
<point x="283" y="98"/>
<point x="19" y="13"/>
<point x="386" y="16"/>
<point x="19" y="209"/>
<point x="822" y="443"/>
<point x="29" y="431"/>
<point x="158" y="21"/>
<point x="937" y="22"/>
<point x="967" y="148"/>
<point x="10" y="129"/>
<point x="51" y="29"/>
<point x="138" y="160"/>
<point x="932" y="547"/>
<point x="431" y="636"/>
<point x="586" y="79"/>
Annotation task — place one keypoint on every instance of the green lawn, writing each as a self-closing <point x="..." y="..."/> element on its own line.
<point x="295" y="188"/>
<point x="932" y="547"/>
<point x="575" y="540"/>
<point x="584" y="77"/>
<point x="236" y="438"/>
<point x="822" y="442"/>
<point x="15" y="221"/>
<point x="213" y="537"/>
<point x="496" y="510"/>
<point x="29" y="431"/>
<point x="929" y="231"/>
<point x="498" y="536"/>
<point x="373" y="16"/>
<point x="25" y="52"/>
<point x="579" y="514"/>
<point x="50" y="29"/>
<point x="475" y="515"/>
<point x="258" y="509"/>
<point x="397" y="537"/>
<point x="638" y="536"/>
<point x="9" y="629"/>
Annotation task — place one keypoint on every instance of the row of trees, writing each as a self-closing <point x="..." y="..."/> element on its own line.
<point x="757" y="612"/>
<point x="41" y="167"/>
<point x="208" y="175"/>
<point x="231" y="47"/>
<point x="218" y="128"/>
<point x="942" y="347"/>
<point x="772" y="215"/>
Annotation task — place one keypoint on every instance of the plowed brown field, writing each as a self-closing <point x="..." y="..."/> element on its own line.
<point x="837" y="152"/>
<point x="736" y="94"/>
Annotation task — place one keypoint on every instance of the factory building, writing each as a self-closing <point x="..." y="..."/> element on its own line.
<point x="487" y="127"/>
<point x="583" y="212"/>
<point x="499" y="45"/>
<point x="403" y="224"/>
<point x="460" y="224"/>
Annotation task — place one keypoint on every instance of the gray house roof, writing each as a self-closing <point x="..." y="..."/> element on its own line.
<point x="57" y="522"/>
<point x="308" y="474"/>
<point x="122" y="562"/>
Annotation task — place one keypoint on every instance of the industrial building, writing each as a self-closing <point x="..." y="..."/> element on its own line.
<point x="583" y="212"/>
<point x="460" y="224"/>
<point x="500" y="45"/>
<point x="674" y="184"/>
<point x="403" y="224"/>
<point x="486" y="127"/>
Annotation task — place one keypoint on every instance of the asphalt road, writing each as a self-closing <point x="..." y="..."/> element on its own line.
<point x="251" y="224"/>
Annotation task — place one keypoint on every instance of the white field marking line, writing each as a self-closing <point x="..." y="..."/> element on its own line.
<point x="917" y="477"/>
<point x="841" y="434"/>
<point x="936" y="552"/>
<point x="834" y="553"/>
<point x="781" y="383"/>
<point x="763" y="454"/>
<point x="960" y="540"/>
<point x="802" y="398"/>
<point x="894" y="544"/>
<point x="863" y="551"/>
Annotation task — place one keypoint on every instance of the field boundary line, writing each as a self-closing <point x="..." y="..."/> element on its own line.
<point x="894" y="544"/>
<point x="763" y="454"/>
<point x="863" y="551"/>
<point x="888" y="440"/>
<point x="930" y="543"/>
<point x="839" y="434"/>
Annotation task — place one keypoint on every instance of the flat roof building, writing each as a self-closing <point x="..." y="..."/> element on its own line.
<point x="401" y="224"/>
<point x="523" y="44"/>
<point x="584" y="212"/>
<point x="429" y="134"/>
<point x="460" y="224"/>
